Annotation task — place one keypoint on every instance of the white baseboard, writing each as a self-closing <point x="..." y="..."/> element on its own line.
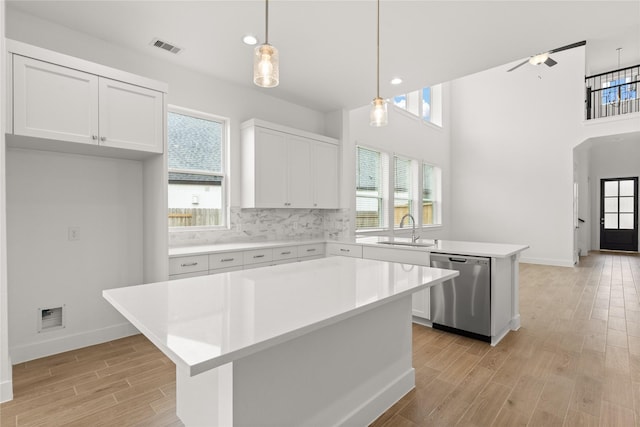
<point x="547" y="261"/>
<point x="382" y="401"/>
<point x="26" y="352"/>
<point x="6" y="391"/>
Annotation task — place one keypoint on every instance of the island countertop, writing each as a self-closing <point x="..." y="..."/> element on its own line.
<point x="207" y="321"/>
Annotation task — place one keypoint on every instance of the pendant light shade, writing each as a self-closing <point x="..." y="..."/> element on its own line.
<point x="266" y="67"/>
<point x="378" y="116"/>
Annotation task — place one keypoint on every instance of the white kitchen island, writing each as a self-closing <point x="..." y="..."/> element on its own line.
<point x="318" y="343"/>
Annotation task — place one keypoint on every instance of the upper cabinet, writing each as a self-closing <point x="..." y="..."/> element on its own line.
<point x="288" y="168"/>
<point x="61" y="98"/>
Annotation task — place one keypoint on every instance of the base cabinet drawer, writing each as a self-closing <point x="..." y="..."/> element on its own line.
<point x="188" y="264"/>
<point x="343" y="249"/>
<point x="225" y="260"/>
<point x="285" y="253"/>
<point x="257" y="256"/>
<point x="187" y="275"/>
<point x="225" y="270"/>
<point x="311" y="250"/>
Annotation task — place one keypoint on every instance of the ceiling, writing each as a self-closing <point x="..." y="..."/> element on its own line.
<point x="327" y="48"/>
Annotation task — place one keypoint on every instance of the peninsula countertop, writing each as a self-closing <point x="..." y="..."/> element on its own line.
<point x="207" y="321"/>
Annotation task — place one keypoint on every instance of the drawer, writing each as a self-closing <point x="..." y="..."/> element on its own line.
<point x="257" y="256"/>
<point x="188" y="264"/>
<point x="286" y="252"/>
<point x="344" y="249"/>
<point x="314" y="249"/>
<point x="225" y="260"/>
<point x="187" y="275"/>
<point x="225" y="269"/>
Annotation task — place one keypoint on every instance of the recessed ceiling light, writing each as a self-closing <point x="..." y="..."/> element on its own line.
<point x="396" y="81"/>
<point x="250" y="39"/>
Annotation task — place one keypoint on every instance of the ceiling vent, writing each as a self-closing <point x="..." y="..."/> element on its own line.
<point x="166" y="46"/>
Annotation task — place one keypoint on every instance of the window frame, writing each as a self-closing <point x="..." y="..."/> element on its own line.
<point x="222" y="174"/>
<point x="380" y="198"/>
<point x="416" y="189"/>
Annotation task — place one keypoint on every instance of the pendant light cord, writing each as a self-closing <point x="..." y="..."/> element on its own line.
<point x="266" y="22"/>
<point x="378" y="53"/>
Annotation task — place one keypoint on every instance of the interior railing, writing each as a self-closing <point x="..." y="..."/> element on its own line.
<point x="612" y="93"/>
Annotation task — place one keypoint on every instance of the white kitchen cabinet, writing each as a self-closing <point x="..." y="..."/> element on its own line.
<point x="50" y="101"/>
<point x="287" y="168"/>
<point x="188" y="266"/>
<point x="344" y="249"/>
<point x="130" y="117"/>
<point x="66" y="104"/>
<point x="325" y="176"/>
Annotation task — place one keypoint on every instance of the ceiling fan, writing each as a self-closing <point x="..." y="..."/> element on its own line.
<point x="544" y="58"/>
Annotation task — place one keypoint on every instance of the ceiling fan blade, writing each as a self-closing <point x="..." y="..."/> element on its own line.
<point x="569" y="46"/>
<point x="519" y="65"/>
<point x="550" y="62"/>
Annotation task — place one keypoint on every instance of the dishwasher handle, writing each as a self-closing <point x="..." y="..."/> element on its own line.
<point x="460" y="260"/>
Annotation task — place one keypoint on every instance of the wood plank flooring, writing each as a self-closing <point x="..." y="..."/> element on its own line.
<point x="575" y="361"/>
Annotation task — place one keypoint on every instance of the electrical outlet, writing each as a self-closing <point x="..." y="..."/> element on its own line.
<point x="73" y="233"/>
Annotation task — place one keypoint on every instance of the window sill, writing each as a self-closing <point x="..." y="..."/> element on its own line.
<point x="199" y="228"/>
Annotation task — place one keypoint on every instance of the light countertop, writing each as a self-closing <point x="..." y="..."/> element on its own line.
<point x="238" y="246"/>
<point x="207" y="321"/>
<point x="455" y="247"/>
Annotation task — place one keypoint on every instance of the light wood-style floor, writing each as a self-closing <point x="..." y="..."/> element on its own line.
<point x="575" y="361"/>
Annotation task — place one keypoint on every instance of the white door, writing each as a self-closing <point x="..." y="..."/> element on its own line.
<point x="271" y="169"/>
<point x="300" y="194"/>
<point x="325" y="175"/>
<point x="54" y="102"/>
<point x="131" y="117"/>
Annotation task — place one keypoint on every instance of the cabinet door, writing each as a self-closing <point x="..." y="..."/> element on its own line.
<point x="325" y="176"/>
<point x="131" y="117"/>
<point x="270" y="169"/>
<point x="50" y="101"/>
<point x="300" y="187"/>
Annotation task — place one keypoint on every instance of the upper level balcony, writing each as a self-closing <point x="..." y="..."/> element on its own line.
<point x="612" y="93"/>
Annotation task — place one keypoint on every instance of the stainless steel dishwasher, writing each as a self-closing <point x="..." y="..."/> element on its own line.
<point x="463" y="304"/>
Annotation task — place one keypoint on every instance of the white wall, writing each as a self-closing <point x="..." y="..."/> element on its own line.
<point x="610" y="159"/>
<point x="408" y="136"/>
<point x="46" y="194"/>
<point x="6" y="383"/>
<point x="511" y="149"/>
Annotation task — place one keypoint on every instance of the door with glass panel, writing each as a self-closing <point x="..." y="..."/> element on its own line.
<point x="619" y="214"/>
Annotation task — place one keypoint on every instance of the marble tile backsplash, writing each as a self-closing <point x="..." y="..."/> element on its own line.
<point x="248" y="225"/>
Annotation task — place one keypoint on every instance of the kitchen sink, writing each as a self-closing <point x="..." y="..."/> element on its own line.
<point x="413" y="244"/>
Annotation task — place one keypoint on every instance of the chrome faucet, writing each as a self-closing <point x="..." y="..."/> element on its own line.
<point x="413" y="223"/>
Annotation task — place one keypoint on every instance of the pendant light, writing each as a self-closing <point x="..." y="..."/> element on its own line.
<point x="378" y="116"/>
<point x="265" y="59"/>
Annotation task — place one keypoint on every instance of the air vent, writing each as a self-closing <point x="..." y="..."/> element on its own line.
<point x="166" y="46"/>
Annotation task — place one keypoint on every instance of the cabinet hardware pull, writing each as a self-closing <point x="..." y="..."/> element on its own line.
<point x="94" y="137"/>
<point x="188" y="264"/>
<point x="311" y="250"/>
<point x="258" y="256"/>
<point x="285" y="253"/>
<point x="345" y="250"/>
<point x="103" y="138"/>
<point x="226" y="259"/>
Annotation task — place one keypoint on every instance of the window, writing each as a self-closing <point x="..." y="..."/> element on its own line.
<point x="429" y="185"/>
<point x="369" y="197"/>
<point x="425" y="103"/>
<point x="400" y="101"/>
<point x="197" y="186"/>
<point x="622" y="89"/>
<point x="383" y="198"/>
<point x="402" y="200"/>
